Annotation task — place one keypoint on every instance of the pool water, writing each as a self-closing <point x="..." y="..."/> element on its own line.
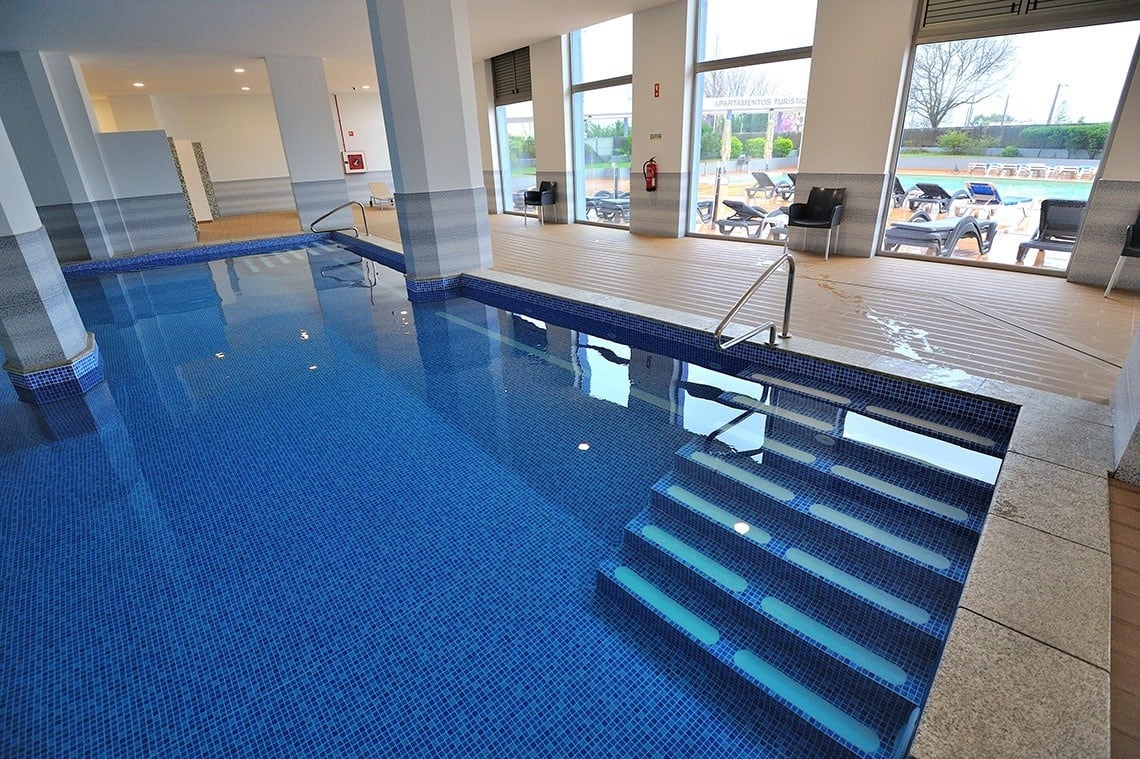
<point x="1008" y="186"/>
<point x="307" y="517"/>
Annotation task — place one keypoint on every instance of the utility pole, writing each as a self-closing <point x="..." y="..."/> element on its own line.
<point x="1053" y="107"/>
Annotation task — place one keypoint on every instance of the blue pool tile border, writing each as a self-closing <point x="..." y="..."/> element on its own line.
<point x="186" y="255"/>
<point x="58" y="382"/>
<point x="621" y="325"/>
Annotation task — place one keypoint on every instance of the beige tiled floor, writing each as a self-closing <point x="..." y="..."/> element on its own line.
<point x="948" y="321"/>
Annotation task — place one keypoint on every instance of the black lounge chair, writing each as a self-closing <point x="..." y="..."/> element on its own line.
<point x="755" y="221"/>
<point x="766" y="187"/>
<point x="704" y="211"/>
<point x="898" y="194"/>
<point x="940" y="235"/>
<point x="1057" y="230"/>
<point x="934" y="195"/>
<point x="823" y="210"/>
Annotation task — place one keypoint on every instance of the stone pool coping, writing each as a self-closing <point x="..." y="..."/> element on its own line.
<point x="1025" y="671"/>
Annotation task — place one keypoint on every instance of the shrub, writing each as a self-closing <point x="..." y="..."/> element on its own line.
<point x="782" y="146"/>
<point x="956" y="142"/>
<point x="754" y="146"/>
<point x="1009" y="151"/>
<point x="736" y="147"/>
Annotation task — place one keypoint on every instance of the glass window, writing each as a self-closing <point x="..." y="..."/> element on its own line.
<point x="1005" y="131"/>
<point x="604" y="51"/>
<point x="750" y="120"/>
<point x="732" y="28"/>
<point x="516" y="152"/>
<point x="602" y="120"/>
<point x="602" y="141"/>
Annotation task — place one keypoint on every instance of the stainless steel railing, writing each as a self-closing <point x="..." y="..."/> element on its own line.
<point x="355" y="231"/>
<point x="770" y="326"/>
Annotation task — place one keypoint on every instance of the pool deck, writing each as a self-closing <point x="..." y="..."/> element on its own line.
<point x="1026" y="670"/>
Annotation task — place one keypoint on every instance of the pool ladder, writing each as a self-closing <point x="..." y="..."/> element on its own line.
<point x="355" y="231"/>
<point x="770" y="326"/>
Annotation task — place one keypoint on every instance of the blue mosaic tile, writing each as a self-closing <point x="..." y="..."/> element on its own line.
<point x="316" y="517"/>
<point x="58" y="382"/>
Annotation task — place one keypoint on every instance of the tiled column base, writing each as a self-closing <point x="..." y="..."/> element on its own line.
<point x="72" y="378"/>
<point x="444" y="233"/>
<point x="857" y="230"/>
<point x="1112" y="207"/>
<point x="660" y="213"/>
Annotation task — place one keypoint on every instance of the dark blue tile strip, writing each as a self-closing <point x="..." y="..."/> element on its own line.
<point x="58" y="382"/>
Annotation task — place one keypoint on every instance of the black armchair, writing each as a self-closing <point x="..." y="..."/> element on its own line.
<point x="540" y="198"/>
<point x="823" y="210"/>
<point x="1131" y="249"/>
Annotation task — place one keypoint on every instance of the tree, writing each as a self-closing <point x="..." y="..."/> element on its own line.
<point x="948" y="75"/>
<point x="737" y="82"/>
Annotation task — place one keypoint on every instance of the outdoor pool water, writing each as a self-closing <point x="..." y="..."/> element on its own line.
<point x="1007" y="186"/>
<point x="305" y="517"/>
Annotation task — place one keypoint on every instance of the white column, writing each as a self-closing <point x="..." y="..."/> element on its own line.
<point x="51" y="127"/>
<point x="853" y="104"/>
<point x="427" y="89"/>
<point x="308" y="133"/>
<point x="49" y="353"/>
<point x="1114" y="201"/>
<point x="663" y="40"/>
<point x="550" y="83"/>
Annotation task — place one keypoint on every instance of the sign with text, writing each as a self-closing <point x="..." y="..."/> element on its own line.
<point x="747" y="103"/>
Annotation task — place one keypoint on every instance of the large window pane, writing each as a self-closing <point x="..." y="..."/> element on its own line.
<point x="604" y="51"/>
<point x="745" y="27"/>
<point x="997" y="126"/>
<point x="750" y="121"/>
<point x="602" y="145"/>
<point x="516" y="151"/>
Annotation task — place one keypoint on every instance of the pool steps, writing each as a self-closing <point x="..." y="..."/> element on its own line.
<point x="820" y="573"/>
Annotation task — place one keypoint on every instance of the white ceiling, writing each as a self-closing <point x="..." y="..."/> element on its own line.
<point x="193" y="47"/>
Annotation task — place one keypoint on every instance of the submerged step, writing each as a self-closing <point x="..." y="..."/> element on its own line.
<point x="666" y="606"/>
<point x="908" y="496"/>
<point x="703" y="563"/>
<point x="810" y="703"/>
<point x="849" y="582"/>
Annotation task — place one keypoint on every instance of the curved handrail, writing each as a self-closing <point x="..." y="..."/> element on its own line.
<point x="770" y="326"/>
<point x="313" y="226"/>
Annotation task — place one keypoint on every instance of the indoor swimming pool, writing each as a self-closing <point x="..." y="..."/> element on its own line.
<point x="307" y="517"/>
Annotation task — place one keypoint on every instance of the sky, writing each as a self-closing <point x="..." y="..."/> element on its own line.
<point x="1090" y="63"/>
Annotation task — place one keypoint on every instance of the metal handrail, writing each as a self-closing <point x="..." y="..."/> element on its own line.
<point x="770" y="326"/>
<point x="364" y="215"/>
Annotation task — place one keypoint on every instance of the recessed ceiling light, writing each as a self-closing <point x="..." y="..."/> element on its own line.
<point x="239" y="71"/>
<point x="367" y="87"/>
<point x="245" y="89"/>
<point x="139" y="84"/>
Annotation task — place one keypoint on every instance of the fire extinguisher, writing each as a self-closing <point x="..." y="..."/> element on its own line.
<point x="649" y="168"/>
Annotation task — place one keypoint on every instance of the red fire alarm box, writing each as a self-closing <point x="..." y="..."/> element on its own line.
<point x="353" y="161"/>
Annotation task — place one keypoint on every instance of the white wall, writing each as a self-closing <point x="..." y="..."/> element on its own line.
<point x="549" y="75"/>
<point x="139" y="164"/>
<point x="238" y="133"/>
<point x="104" y="116"/>
<point x="662" y="41"/>
<point x="17" y="212"/>
<point x="1122" y="162"/>
<point x="132" y="113"/>
<point x="360" y="113"/>
<point x="853" y="91"/>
